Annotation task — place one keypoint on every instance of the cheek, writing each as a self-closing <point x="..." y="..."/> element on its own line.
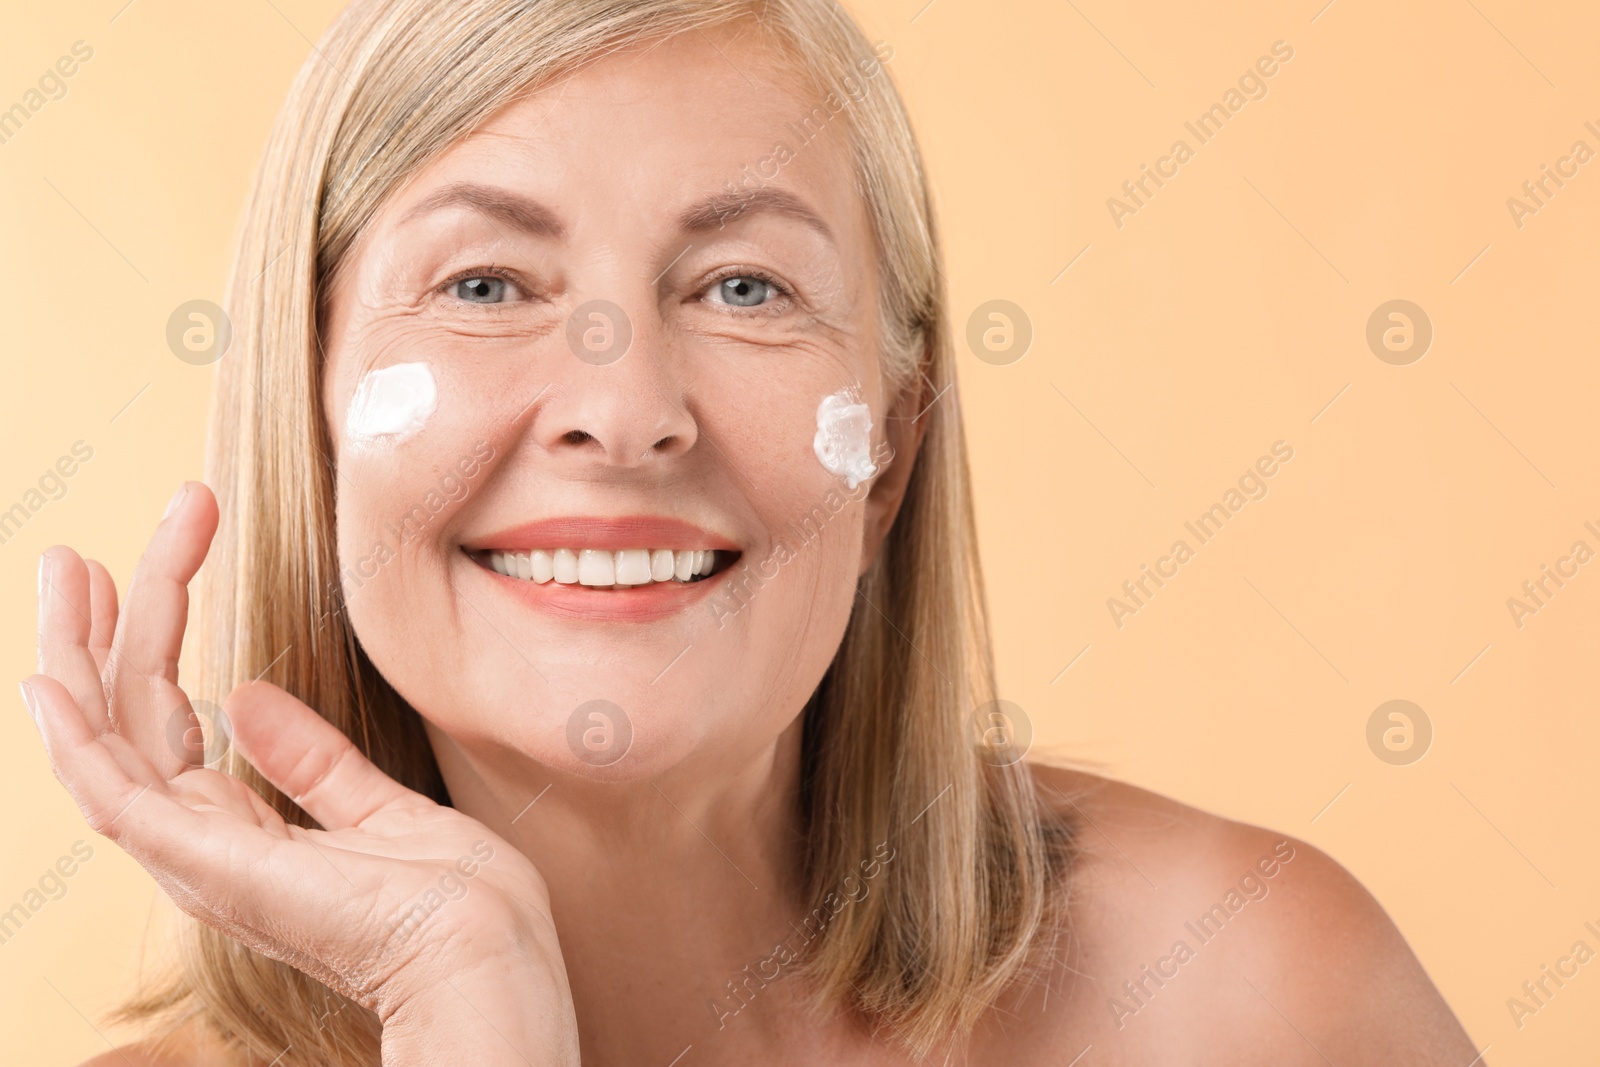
<point x="391" y="405"/>
<point x="805" y="459"/>
<point x="416" y="445"/>
<point x="806" y="444"/>
<point x="385" y="446"/>
<point x="404" y="427"/>
<point x="843" y="441"/>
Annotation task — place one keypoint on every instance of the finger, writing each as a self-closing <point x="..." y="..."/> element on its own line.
<point x="104" y="787"/>
<point x="308" y="759"/>
<point x="195" y="855"/>
<point x="64" y="633"/>
<point x="102" y="611"/>
<point x="144" y="694"/>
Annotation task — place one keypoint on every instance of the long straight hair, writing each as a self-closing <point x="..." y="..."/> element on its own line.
<point x="889" y="751"/>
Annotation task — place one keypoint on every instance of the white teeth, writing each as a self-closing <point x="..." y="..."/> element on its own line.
<point x="565" y="566"/>
<point x="661" y="564"/>
<point x="541" y="566"/>
<point x="633" y="566"/>
<point x="595" y="567"/>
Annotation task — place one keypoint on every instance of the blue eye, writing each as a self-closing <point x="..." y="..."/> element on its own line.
<point x="743" y="292"/>
<point x="481" y="289"/>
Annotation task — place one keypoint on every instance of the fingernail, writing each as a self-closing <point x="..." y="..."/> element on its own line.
<point x="43" y="559"/>
<point x="29" y="699"/>
<point x="177" y="498"/>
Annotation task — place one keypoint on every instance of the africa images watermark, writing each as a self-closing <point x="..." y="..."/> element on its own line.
<point x="1251" y="887"/>
<point x="1538" y="592"/>
<point x="1206" y="526"/>
<point x="1536" y="992"/>
<point x="52" y="86"/>
<point x="52" y="486"/>
<point x="742" y="990"/>
<point x="748" y="577"/>
<point x="453" y="486"/>
<point x="52" y="885"/>
<point x="450" y="886"/>
<point x="1579" y="154"/>
<point x="1251" y="86"/>
<point x="805" y="130"/>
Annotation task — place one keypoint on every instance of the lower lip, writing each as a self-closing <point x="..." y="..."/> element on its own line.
<point x="634" y="603"/>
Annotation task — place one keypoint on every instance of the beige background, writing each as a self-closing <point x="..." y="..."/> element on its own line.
<point x="1228" y="313"/>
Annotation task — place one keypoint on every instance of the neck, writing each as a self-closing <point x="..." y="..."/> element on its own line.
<point x="664" y="888"/>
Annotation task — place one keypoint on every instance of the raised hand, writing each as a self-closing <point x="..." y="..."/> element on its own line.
<point x="344" y="903"/>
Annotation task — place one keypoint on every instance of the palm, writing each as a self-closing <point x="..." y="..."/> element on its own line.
<point x="379" y="886"/>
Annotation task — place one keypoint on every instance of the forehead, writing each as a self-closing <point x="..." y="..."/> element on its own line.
<point x="664" y="125"/>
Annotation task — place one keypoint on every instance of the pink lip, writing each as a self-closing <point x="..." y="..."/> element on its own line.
<point x="639" y="603"/>
<point x="610" y="535"/>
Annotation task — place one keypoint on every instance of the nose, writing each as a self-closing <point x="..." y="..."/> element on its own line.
<point x="617" y="397"/>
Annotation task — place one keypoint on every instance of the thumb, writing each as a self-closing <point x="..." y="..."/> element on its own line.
<point x="308" y="759"/>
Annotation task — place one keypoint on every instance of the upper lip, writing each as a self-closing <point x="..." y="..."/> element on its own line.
<point x="606" y="534"/>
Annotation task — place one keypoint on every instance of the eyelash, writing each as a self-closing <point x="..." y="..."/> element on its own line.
<point x="751" y="272"/>
<point x="510" y="276"/>
<point x="480" y="272"/>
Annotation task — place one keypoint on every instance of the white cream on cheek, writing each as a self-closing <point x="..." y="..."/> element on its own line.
<point x="392" y="403"/>
<point x="844" y="437"/>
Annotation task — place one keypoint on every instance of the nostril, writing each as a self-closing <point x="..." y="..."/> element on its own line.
<point x="577" y="437"/>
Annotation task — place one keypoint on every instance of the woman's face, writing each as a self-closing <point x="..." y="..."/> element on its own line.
<point x="605" y="322"/>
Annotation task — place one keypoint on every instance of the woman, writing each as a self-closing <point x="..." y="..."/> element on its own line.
<point x="599" y="619"/>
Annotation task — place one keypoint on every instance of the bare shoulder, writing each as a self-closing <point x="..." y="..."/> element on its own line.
<point x="1226" y="939"/>
<point x="189" y="1046"/>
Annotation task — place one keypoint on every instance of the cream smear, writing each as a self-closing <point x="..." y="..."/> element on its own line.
<point x="844" y="437"/>
<point x="393" y="402"/>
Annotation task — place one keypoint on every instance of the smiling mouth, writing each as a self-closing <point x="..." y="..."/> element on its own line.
<point x="601" y="570"/>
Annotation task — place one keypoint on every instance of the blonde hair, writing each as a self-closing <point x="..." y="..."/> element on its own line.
<point x="888" y="753"/>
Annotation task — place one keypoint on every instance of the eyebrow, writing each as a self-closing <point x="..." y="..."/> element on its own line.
<point x="513" y="209"/>
<point x="719" y="209"/>
<point x="531" y="217"/>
